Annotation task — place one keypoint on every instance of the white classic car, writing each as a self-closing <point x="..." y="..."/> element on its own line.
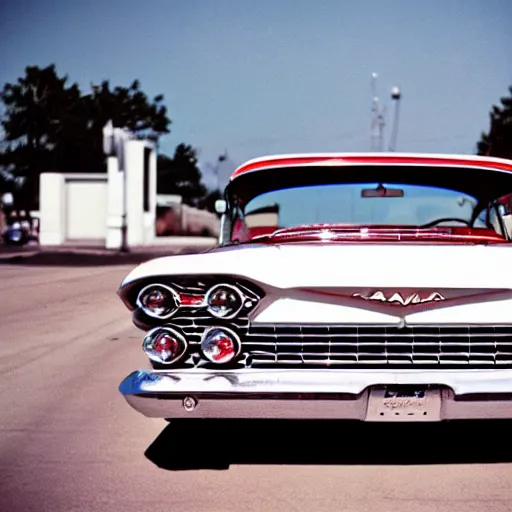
<point x="373" y="287"/>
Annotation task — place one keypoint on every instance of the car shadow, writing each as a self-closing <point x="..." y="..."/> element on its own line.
<point x="216" y="444"/>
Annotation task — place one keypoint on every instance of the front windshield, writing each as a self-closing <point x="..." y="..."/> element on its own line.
<point x="344" y="204"/>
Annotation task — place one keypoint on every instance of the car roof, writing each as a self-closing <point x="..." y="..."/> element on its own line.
<point x="484" y="178"/>
<point x="354" y="159"/>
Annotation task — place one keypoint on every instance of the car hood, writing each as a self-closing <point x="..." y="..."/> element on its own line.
<point x="345" y="265"/>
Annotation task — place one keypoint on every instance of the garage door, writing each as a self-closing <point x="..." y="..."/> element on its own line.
<point x="86" y="202"/>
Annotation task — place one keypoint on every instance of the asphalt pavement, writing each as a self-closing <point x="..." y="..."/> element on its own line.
<point x="69" y="441"/>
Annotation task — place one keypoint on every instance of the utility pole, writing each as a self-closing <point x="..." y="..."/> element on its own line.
<point x="216" y="168"/>
<point x="378" y="119"/>
<point x="114" y="140"/>
<point x="395" y="96"/>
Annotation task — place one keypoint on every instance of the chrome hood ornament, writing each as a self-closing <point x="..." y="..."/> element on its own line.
<point x="400" y="299"/>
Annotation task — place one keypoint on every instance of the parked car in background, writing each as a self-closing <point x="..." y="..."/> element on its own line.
<point x="380" y="290"/>
<point x="17" y="228"/>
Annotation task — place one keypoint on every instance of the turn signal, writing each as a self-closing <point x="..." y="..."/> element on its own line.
<point x="164" y="345"/>
<point x="224" y="301"/>
<point x="220" y="345"/>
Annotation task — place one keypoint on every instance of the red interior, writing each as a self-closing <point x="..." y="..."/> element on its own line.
<point x="366" y="233"/>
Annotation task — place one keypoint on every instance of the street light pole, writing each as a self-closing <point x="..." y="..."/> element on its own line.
<point x="395" y="96"/>
<point x="120" y="138"/>
<point x="220" y="159"/>
<point x="124" y="218"/>
<point x="114" y="140"/>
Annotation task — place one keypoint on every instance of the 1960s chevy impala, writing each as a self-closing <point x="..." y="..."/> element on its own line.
<point x="374" y="287"/>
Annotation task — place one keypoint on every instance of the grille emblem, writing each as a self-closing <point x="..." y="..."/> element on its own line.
<point x="398" y="298"/>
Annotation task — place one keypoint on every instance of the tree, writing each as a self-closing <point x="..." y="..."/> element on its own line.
<point x="34" y="108"/>
<point x="6" y="183"/>
<point x="127" y="107"/>
<point x="498" y="141"/>
<point x="51" y="125"/>
<point x="181" y="175"/>
<point x="208" y="201"/>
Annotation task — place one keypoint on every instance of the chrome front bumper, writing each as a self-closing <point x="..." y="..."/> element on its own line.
<point x="310" y="394"/>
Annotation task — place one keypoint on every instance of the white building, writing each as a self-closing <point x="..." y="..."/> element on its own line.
<point x="116" y="209"/>
<point x="93" y="208"/>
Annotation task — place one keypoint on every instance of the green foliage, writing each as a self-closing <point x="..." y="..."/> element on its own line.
<point x="498" y="141"/>
<point x="49" y="125"/>
<point x="208" y="201"/>
<point x="35" y="108"/>
<point x="181" y="175"/>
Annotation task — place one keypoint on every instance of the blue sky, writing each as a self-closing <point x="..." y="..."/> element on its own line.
<point x="278" y="76"/>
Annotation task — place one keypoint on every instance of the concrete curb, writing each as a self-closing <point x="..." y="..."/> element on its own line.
<point x="95" y="256"/>
<point x="14" y="258"/>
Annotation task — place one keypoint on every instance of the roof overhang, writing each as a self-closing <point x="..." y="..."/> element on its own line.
<point x="481" y="177"/>
<point x="350" y="159"/>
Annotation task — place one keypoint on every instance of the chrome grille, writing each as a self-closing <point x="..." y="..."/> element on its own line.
<point x="343" y="346"/>
<point x="194" y="325"/>
<point x="356" y="346"/>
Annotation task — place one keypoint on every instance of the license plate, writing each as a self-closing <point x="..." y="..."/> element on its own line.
<point x="404" y="404"/>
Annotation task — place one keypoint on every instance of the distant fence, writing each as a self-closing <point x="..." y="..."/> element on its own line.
<point x="183" y="220"/>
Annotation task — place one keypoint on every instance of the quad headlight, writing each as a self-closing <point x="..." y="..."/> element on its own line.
<point x="158" y="301"/>
<point x="164" y="345"/>
<point x="224" y="301"/>
<point x="220" y="345"/>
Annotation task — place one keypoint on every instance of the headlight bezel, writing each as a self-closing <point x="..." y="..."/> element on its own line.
<point x="151" y="338"/>
<point x="192" y="295"/>
<point x="228" y="333"/>
<point x="171" y="291"/>
<point x="231" y="288"/>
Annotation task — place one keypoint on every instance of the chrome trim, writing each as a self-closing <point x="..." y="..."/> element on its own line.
<point x="396" y="297"/>
<point x="174" y="333"/>
<point x="374" y="325"/>
<point x="338" y="345"/>
<point x="148" y="312"/>
<point x="378" y="335"/>
<point x="301" y="394"/>
<point x="231" y="333"/>
<point x="241" y="296"/>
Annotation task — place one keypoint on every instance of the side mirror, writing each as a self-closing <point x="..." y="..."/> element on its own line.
<point x="220" y="206"/>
